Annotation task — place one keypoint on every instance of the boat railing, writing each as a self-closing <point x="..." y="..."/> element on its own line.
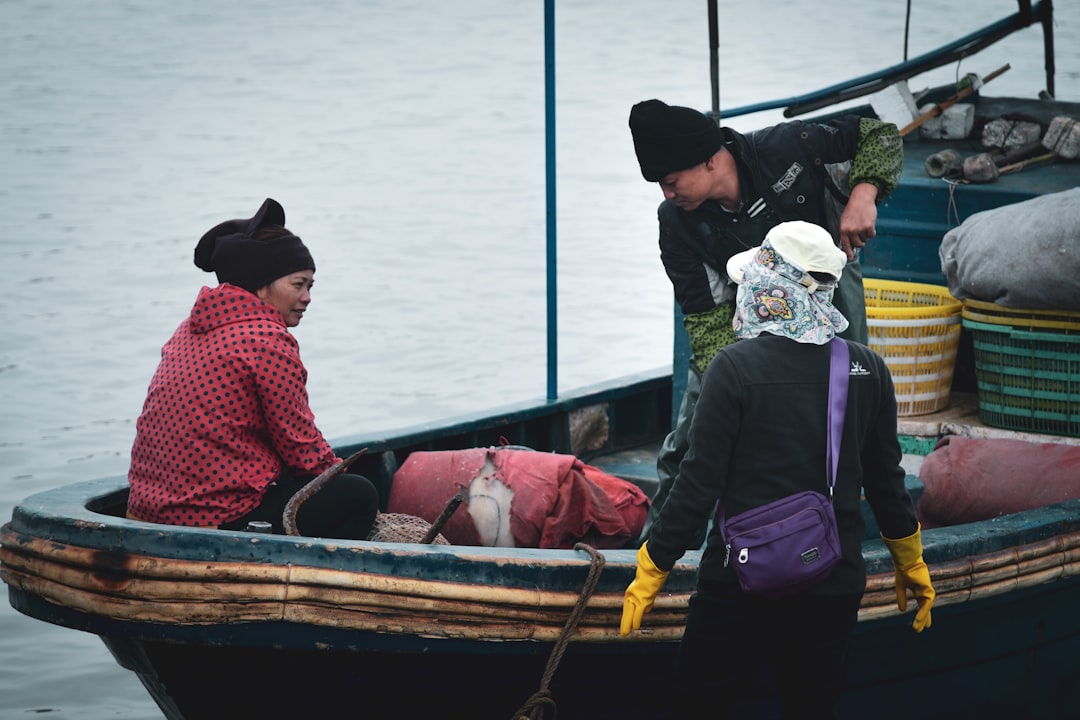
<point x="607" y="417"/>
<point x="1027" y="15"/>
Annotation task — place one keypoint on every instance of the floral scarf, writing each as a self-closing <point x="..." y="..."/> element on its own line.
<point x="778" y="298"/>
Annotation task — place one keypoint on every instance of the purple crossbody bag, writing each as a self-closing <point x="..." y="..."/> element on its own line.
<point x="792" y="543"/>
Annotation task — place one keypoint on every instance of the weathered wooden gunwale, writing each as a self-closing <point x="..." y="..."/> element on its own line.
<point x="143" y="588"/>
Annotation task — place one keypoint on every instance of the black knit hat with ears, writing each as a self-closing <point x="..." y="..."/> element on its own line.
<point x="668" y="138"/>
<point x="231" y="250"/>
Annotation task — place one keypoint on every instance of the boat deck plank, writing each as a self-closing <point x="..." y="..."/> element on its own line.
<point x="961" y="417"/>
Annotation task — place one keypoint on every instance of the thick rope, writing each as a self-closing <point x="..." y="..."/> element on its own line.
<point x="541" y="700"/>
<point x="951" y="211"/>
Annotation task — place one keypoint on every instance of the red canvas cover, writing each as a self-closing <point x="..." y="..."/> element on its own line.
<point x="549" y="500"/>
<point x="971" y="479"/>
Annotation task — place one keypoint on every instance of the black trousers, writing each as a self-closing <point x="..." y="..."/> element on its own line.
<point x="747" y="656"/>
<point x="345" y="507"/>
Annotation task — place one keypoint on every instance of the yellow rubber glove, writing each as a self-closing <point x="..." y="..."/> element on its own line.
<point x="911" y="572"/>
<point x="639" y="597"/>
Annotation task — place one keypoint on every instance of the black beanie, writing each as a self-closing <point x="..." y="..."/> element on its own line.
<point x="231" y="250"/>
<point x="668" y="138"/>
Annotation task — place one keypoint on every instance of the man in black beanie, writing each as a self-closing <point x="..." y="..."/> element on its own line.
<point x="723" y="191"/>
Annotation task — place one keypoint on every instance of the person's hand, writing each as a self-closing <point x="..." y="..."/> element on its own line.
<point x="858" y="219"/>
<point x="912" y="573"/>
<point x="641" y="593"/>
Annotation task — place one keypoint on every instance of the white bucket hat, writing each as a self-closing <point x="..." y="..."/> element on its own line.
<point x="802" y="247"/>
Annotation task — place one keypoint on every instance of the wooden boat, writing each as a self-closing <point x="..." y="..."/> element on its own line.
<point x="236" y="625"/>
<point x="486" y="632"/>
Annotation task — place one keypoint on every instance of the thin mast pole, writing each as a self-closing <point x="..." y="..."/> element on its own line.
<point x="549" y="134"/>
<point x="714" y="58"/>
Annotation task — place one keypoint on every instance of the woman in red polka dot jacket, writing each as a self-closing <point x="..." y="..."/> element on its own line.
<point x="226" y="434"/>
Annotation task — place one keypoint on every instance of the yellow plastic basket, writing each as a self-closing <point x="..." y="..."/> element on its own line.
<point x="915" y="327"/>
<point x="1067" y="321"/>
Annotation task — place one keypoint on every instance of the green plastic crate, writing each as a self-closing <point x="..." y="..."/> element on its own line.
<point x="1028" y="380"/>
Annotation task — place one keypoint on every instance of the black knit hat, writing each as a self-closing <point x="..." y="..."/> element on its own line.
<point x="231" y="250"/>
<point x="668" y="138"/>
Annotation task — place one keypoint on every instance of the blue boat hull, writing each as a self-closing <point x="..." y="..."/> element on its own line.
<point x="1029" y="668"/>
<point x="980" y="660"/>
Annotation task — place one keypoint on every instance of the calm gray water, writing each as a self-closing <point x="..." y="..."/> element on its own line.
<point x="406" y="142"/>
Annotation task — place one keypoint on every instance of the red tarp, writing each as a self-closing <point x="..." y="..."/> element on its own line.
<point x="968" y="479"/>
<point x="520" y="498"/>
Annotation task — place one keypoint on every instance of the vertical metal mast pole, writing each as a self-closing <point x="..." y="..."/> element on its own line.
<point x="549" y="125"/>
<point x="714" y="59"/>
<point x="1048" y="46"/>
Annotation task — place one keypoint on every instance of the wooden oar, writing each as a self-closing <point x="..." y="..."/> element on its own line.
<point x="1013" y="167"/>
<point x="946" y="104"/>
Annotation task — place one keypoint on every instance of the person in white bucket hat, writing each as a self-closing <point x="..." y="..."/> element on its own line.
<point x="759" y="434"/>
<point x="785" y="285"/>
<point x="806" y="246"/>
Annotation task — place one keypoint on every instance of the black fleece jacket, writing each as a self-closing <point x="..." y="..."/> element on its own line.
<point x="759" y="434"/>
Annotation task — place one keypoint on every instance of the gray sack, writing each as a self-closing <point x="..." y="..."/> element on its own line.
<point x="1024" y="255"/>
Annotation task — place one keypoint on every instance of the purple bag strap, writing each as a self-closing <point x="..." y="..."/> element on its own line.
<point x="838" y="386"/>
<point x="839" y="358"/>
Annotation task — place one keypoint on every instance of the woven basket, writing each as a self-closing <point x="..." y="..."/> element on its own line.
<point x="1042" y="319"/>
<point x="400" y="528"/>
<point x="1027" y="362"/>
<point x="915" y="327"/>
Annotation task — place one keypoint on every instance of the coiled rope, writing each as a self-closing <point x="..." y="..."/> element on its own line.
<point x="542" y="700"/>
